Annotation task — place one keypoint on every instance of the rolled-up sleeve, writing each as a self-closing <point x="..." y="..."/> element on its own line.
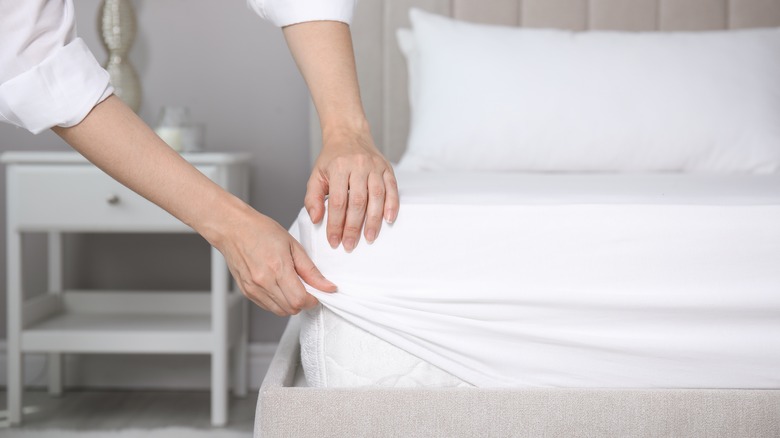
<point x="48" y="76"/>
<point x="286" y="12"/>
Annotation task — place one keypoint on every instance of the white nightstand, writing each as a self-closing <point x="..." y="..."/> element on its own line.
<point x="56" y="193"/>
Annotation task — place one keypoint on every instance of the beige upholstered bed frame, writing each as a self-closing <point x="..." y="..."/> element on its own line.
<point x="285" y="410"/>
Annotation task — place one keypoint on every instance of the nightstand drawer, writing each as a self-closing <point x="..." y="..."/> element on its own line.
<point x="83" y="198"/>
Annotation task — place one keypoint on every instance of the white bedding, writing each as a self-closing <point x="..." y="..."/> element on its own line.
<point x="501" y="280"/>
<point x="556" y="100"/>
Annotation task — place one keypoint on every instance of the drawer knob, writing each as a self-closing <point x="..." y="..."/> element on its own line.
<point x="113" y="200"/>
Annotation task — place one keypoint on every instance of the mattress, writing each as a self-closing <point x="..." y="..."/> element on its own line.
<point x="507" y="280"/>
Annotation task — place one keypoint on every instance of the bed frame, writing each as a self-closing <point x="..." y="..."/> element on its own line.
<point x="287" y="408"/>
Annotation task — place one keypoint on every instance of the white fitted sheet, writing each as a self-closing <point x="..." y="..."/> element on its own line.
<point x="505" y="280"/>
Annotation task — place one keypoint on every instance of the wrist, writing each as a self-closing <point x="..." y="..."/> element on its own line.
<point x="222" y="217"/>
<point x="340" y="127"/>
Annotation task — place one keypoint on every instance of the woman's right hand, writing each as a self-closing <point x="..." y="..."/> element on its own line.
<point x="263" y="258"/>
<point x="266" y="262"/>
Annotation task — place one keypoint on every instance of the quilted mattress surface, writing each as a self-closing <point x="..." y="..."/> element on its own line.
<point x="556" y="281"/>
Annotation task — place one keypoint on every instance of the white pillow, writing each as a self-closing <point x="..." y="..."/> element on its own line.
<point x="503" y="98"/>
<point x="408" y="46"/>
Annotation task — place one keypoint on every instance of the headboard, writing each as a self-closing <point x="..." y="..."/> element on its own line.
<point x="382" y="69"/>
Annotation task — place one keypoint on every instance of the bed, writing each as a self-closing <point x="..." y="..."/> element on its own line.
<point x="606" y="333"/>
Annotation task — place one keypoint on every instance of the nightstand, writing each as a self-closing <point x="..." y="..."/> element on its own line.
<point x="56" y="193"/>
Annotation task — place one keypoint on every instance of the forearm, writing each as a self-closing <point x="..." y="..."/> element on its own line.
<point x="324" y="54"/>
<point x="350" y="170"/>
<point x="116" y="140"/>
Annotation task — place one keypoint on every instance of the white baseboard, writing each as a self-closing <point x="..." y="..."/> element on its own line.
<point x="136" y="371"/>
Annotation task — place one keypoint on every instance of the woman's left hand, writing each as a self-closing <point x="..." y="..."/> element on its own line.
<point x="360" y="185"/>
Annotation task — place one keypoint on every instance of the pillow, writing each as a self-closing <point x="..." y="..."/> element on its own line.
<point x="513" y="99"/>
<point x="408" y="46"/>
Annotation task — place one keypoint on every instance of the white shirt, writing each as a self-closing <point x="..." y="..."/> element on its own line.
<point x="286" y="12"/>
<point x="48" y="76"/>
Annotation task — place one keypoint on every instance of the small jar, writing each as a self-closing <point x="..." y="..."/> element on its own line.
<point x="172" y="122"/>
<point x="193" y="138"/>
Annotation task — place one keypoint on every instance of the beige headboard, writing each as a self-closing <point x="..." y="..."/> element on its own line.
<point x="382" y="69"/>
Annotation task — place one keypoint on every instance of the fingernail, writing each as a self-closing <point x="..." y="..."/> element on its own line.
<point x="333" y="241"/>
<point x="390" y="217"/>
<point x="332" y="284"/>
<point x="349" y="244"/>
<point x="314" y="219"/>
<point x="370" y="236"/>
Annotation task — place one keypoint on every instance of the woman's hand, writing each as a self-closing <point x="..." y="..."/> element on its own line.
<point x="360" y="185"/>
<point x="263" y="258"/>
<point x="358" y="181"/>
<point x="266" y="263"/>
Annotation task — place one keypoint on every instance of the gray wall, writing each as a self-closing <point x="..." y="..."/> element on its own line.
<point x="234" y="72"/>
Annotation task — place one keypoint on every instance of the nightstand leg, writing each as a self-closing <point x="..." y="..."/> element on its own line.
<point x="15" y="372"/>
<point x="15" y="376"/>
<point x="54" y="364"/>
<point x="240" y="364"/>
<point x="54" y="361"/>
<point x="219" y="354"/>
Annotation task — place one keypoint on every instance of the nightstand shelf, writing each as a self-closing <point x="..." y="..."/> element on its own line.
<point x="60" y="192"/>
<point x="125" y="322"/>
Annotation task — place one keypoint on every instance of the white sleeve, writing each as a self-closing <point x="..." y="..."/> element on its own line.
<point x="48" y="76"/>
<point x="286" y="12"/>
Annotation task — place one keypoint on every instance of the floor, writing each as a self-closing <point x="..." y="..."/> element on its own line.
<point x="115" y="410"/>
